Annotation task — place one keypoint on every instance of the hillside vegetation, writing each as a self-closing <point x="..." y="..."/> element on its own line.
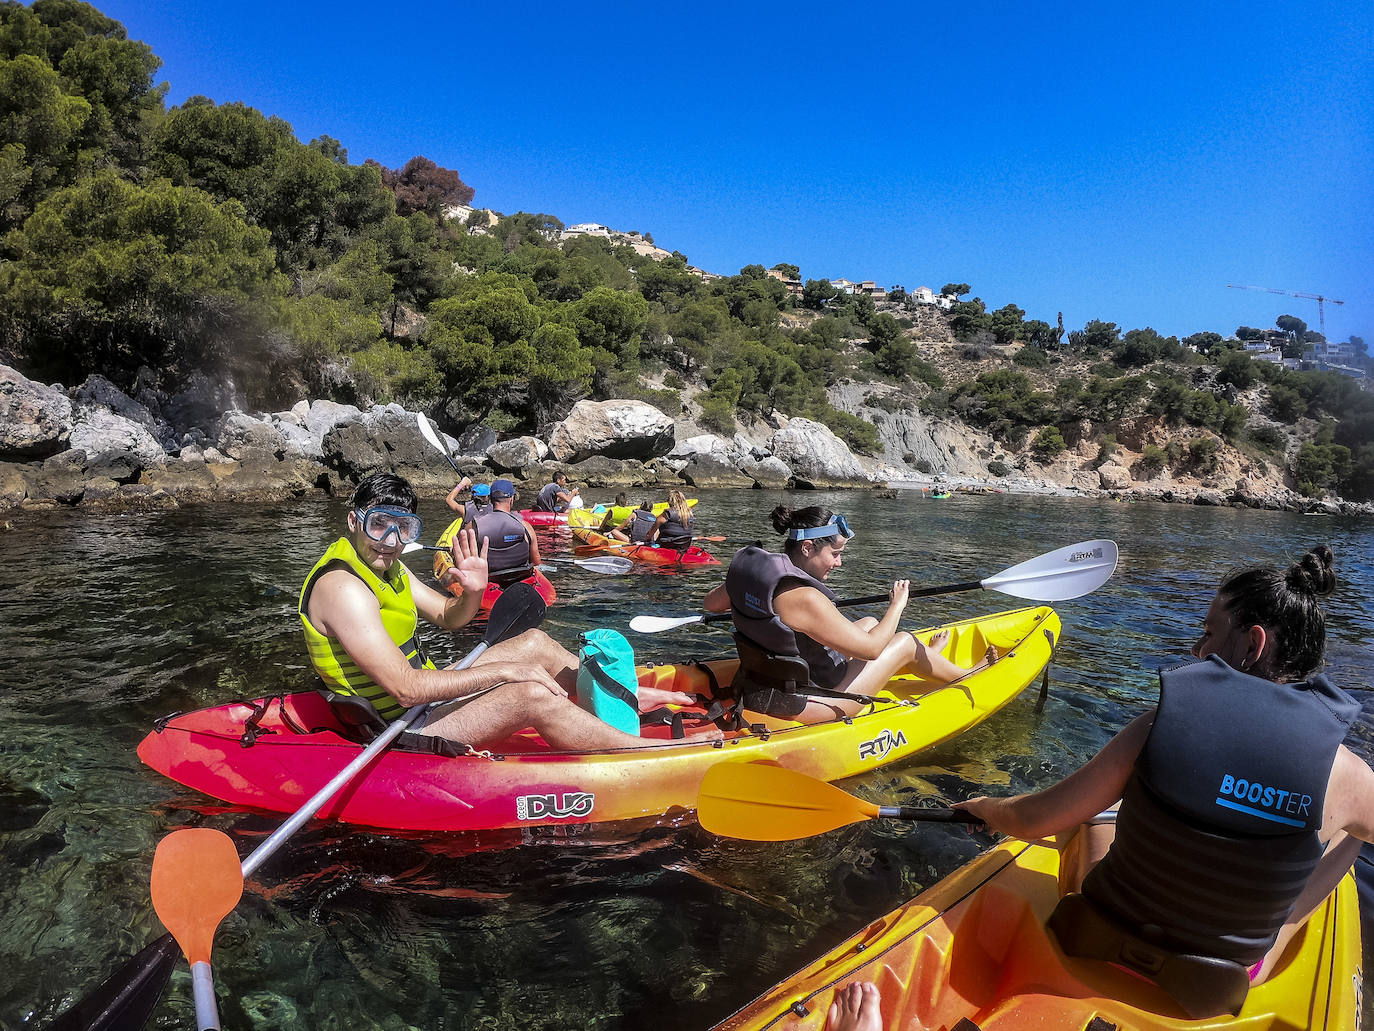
<point x="142" y="241"/>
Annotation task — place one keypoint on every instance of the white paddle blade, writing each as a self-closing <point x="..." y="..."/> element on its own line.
<point x="1069" y="572"/>
<point x="658" y="624"/>
<point x="430" y="434"/>
<point x="605" y="564"/>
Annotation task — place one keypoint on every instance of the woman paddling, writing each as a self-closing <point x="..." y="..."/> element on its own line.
<point x="673" y="527"/>
<point x="1240" y="808"/>
<point x="791" y="636"/>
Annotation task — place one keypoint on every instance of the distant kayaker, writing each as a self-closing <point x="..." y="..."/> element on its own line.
<point x="452" y="500"/>
<point x="479" y="502"/>
<point x="512" y="549"/>
<point x="673" y="526"/>
<point x="556" y="496"/>
<point x="1240" y="809"/>
<point x="640" y="525"/>
<point x="359" y="610"/>
<point x="784" y="612"/>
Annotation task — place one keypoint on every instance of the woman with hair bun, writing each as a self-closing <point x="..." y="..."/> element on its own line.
<point x="791" y="637"/>
<point x="1240" y="809"/>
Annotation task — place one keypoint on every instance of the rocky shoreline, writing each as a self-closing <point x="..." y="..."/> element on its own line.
<point x="96" y="447"/>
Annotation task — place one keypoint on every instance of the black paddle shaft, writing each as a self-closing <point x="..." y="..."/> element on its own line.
<point x="874" y="599"/>
<point x="915" y="812"/>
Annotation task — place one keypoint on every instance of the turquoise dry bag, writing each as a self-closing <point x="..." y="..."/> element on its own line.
<point x="606" y="681"/>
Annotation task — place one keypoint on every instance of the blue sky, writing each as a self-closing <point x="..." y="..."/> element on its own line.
<point x="1115" y="161"/>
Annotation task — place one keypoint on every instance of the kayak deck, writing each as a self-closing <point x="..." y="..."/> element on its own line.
<point x="522" y="780"/>
<point x="974" y="947"/>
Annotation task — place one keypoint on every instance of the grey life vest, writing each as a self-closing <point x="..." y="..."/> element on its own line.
<point x="472" y="510"/>
<point x="1218" y="828"/>
<point x="509" y="547"/>
<point x="673" y="534"/>
<point x="639" y="529"/>
<point x="753" y="578"/>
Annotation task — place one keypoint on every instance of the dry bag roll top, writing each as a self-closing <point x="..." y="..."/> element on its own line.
<point x="606" y="682"/>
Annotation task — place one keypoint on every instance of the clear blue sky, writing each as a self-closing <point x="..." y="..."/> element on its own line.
<point x="1106" y="160"/>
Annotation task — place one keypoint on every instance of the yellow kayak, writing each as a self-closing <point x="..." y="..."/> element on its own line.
<point x="973" y="953"/>
<point x="592" y="517"/>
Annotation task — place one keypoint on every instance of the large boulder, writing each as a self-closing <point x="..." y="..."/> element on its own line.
<point x="198" y="404"/>
<point x="816" y="456"/>
<point x="616" y="429"/>
<point x="99" y="392"/>
<point x="769" y="473"/>
<point x="477" y="439"/>
<point x="34" y="418"/>
<point x="13" y="487"/>
<point x="387" y="439"/>
<point x="599" y="471"/>
<point x="709" y="470"/>
<point x="709" y="444"/>
<point x="323" y="416"/>
<point x="520" y="453"/>
<point x="242" y="436"/>
<point x="113" y="441"/>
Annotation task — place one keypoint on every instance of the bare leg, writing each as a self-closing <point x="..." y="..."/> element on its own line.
<point x="513" y="707"/>
<point x="857" y="1007"/>
<point x="1340" y="853"/>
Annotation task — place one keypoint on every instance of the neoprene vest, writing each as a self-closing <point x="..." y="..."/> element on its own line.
<point x="334" y="665"/>
<point x="639" y="529"/>
<point x="751" y="582"/>
<point x="472" y="510"/>
<point x="673" y="534"/>
<point x="1218" y="828"/>
<point x="548" y="499"/>
<point x="509" y="547"/>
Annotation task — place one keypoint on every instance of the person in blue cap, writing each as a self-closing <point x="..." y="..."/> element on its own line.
<point x="510" y="545"/>
<point x="792" y="639"/>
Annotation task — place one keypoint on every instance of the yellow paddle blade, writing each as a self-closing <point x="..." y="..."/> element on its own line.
<point x="762" y="802"/>
<point x="197" y="881"/>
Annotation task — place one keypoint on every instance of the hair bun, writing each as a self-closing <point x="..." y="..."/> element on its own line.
<point x="1312" y="574"/>
<point x="782" y="518"/>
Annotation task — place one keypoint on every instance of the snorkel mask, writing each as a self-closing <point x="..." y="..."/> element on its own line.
<point x="381" y="521"/>
<point x="838" y="525"/>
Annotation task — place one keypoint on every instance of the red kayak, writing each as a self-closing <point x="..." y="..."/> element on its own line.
<point x="536" y="518"/>
<point x="443" y="561"/>
<point x="593" y="543"/>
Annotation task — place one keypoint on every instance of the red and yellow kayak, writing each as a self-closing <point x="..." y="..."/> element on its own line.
<point x="593" y="517"/>
<point x="521" y="781"/>
<point x="973" y="952"/>
<point x="443" y="561"/>
<point x="593" y="543"/>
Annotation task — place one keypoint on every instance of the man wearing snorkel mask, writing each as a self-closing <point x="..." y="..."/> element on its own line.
<point x="793" y="640"/>
<point x="360" y="610"/>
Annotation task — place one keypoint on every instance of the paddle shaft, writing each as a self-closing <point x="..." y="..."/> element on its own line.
<point x="875" y="599"/>
<point x="306" y="812"/>
<point x="911" y="812"/>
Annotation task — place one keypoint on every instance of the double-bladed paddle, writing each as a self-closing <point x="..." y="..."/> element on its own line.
<point x="430" y="434"/>
<point x="604" y="564"/>
<point x="1059" y="575"/>
<point x="764" y="802"/>
<point x="197" y="877"/>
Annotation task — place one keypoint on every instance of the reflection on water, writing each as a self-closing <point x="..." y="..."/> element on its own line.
<point x="109" y="622"/>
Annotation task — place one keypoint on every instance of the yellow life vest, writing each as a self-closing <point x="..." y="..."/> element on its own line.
<point x="334" y="665"/>
<point x="617" y="514"/>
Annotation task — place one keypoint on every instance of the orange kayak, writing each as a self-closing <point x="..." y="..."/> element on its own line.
<point x="593" y="543"/>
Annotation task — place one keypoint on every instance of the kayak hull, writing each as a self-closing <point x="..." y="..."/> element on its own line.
<point x="521" y="781"/>
<point x="975" y="946"/>
<point x="593" y="543"/>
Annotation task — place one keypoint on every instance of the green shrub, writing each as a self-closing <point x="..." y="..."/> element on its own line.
<point x="1048" y="443"/>
<point x="1031" y="357"/>
<point x="1153" y="459"/>
<point x="1106" y="448"/>
<point x="998" y="467"/>
<point x="672" y="380"/>
<point x="1202" y="454"/>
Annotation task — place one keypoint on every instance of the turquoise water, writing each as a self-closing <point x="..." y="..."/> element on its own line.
<point x="109" y="622"/>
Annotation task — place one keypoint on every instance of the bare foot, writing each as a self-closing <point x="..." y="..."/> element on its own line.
<point x="857" y="1007"/>
<point x="653" y="697"/>
<point x="938" y="641"/>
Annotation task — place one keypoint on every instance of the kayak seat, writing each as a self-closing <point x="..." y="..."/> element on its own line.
<point x="1203" y="986"/>
<point x="761" y="670"/>
<point x="361" y="723"/>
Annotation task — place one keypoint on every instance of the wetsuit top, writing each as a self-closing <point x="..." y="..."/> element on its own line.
<point x="1218" y="827"/>
<point x="751" y="582"/>
<point x="334" y="665"/>
<point x="674" y="534"/>
<point x="548" y="499"/>
<point x="639" y="529"/>
<point x="509" y="548"/>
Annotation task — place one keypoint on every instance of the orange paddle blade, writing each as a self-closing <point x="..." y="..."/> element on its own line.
<point x="762" y="802"/>
<point x="197" y="881"/>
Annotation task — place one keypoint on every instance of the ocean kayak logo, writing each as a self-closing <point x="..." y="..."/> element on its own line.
<point x="881" y="745"/>
<point x="553" y="807"/>
<point x="1079" y="556"/>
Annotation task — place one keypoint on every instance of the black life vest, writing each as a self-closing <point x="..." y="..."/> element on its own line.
<point x="1218" y="828"/>
<point x="639" y="529"/>
<point x="674" y="534"/>
<point x="751" y="582"/>
<point x="509" y="547"/>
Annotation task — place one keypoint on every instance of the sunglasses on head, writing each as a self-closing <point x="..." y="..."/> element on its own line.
<point x="381" y="521"/>
<point x="838" y="525"/>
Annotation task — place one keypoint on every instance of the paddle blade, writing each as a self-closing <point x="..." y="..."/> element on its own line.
<point x="658" y="624"/>
<point x="518" y="609"/>
<point x="761" y="802"/>
<point x="127" y="998"/>
<point x="197" y="881"/>
<point x="430" y="434"/>
<point x="1059" y="575"/>
<point x="605" y="564"/>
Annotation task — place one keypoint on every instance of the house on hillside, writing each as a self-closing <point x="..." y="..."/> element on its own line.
<point x="703" y="275"/>
<point x="871" y="289"/>
<point x="843" y="285"/>
<point x="794" y="286"/>
<point x="925" y="295"/>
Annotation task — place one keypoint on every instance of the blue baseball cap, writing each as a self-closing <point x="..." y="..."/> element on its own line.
<point x="481" y="490"/>
<point x="503" y="489"/>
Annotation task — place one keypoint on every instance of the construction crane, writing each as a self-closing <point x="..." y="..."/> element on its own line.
<point x="1320" y="299"/>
